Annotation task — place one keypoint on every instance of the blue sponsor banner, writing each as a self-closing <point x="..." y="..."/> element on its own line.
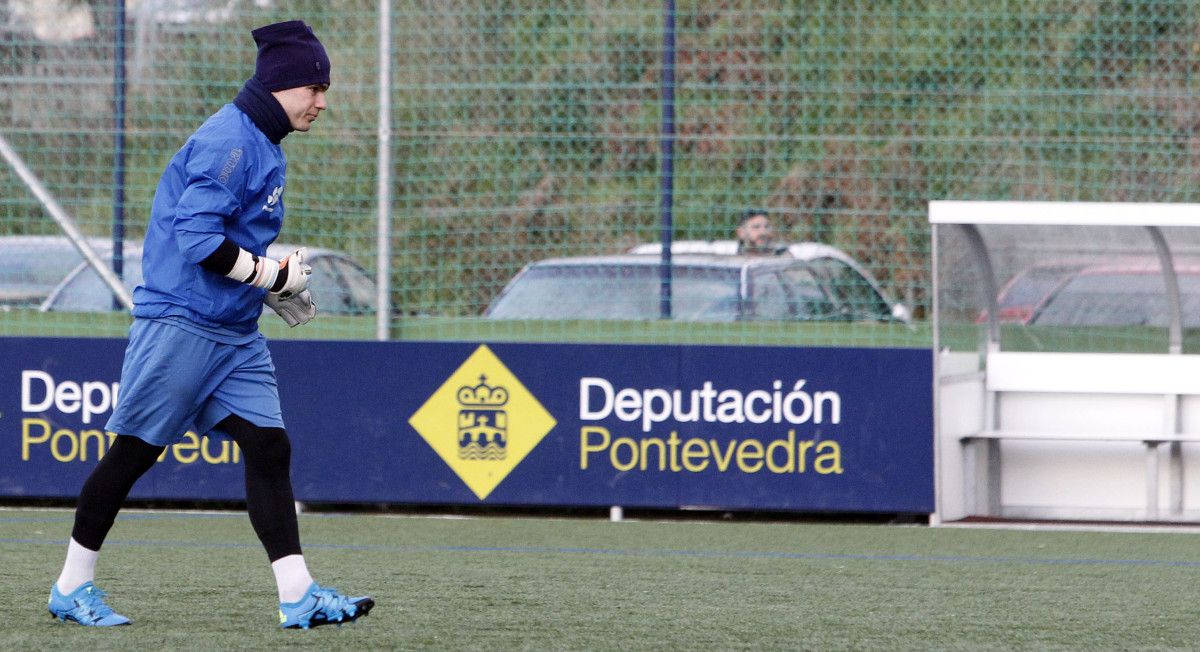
<point x="803" y="429"/>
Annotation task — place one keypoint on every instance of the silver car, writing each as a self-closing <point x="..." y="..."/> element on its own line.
<point x="339" y="285"/>
<point x="704" y="288"/>
<point x="32" y="265"/>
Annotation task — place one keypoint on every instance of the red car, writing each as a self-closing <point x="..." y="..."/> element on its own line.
<point x="1027" y="290"/>
<point x="1120" y="294"/>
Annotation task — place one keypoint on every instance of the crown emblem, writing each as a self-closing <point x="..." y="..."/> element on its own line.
<point x="482" y="427"/>
<point x="482" y="423"/>
<point x="482" y="395"/>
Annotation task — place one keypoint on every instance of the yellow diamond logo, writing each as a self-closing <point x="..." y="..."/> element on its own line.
<point x="482" y="422"/>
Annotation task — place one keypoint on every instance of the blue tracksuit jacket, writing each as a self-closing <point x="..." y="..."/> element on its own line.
<point x="227" y="180"/>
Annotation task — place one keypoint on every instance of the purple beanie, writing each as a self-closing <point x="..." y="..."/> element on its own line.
<point x="289" y="56"/>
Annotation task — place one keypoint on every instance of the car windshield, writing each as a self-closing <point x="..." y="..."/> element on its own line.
<point x="855" y="294"/>
<point x="619" y="292"/>
<point x="1028" y="288"/>
<point x="340" y="286"/>
<point x="32" y="268"/>
<point x="84" y="291"/>
<point x="33" y="271"/>
<point x="1119" y="299"/>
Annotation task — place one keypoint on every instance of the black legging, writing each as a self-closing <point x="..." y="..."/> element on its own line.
<point x="108" y="485"/>
<point x="269" y="500"/>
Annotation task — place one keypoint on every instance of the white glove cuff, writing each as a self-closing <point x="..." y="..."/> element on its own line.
<point x="296" y="274"/>
<point x="258" y="271"/>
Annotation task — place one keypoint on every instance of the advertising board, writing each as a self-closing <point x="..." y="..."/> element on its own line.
<point x="664" y="426"/>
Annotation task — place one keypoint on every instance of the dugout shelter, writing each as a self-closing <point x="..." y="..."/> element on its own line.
<point x="1067" y="365"/>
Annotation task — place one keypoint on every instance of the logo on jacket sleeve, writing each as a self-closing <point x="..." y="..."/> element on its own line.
<point x="482" y="422"/>
<point x="273" y="199"/>
<point x="230" y="165"/>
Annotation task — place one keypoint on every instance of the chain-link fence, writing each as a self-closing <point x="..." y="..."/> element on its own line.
<point x="524" y="130"/>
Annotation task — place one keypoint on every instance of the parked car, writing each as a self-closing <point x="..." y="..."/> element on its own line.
<point x="846" y="274"/>
<point x="32" y="265"/>
<point x="1028" y="289"/>
<point x="1123" y="294"/>
<point x="339" y="284"/>
<point x="704" y="287"/>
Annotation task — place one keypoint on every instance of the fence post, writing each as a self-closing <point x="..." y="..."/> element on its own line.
<point x="667" y="139"/>
<point x="383" y="175"/>
<point x="118" y="227"/>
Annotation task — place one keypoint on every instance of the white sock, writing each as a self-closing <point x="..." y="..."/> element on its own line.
<point x="291" y="577"/>
<point x="79" y="568"/>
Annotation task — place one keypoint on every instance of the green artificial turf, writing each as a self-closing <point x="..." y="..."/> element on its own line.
<point x="200" y="581"/>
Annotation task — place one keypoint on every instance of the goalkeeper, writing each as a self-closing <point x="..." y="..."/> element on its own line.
<point x="195" y="358"/>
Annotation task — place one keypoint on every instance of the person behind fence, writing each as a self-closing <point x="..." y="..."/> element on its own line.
<point x="755" y="235"/>
<point x="195" y="358"/>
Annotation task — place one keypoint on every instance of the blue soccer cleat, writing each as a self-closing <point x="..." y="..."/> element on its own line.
<point x="322" y="606"/>
<point x="85" y="605"/>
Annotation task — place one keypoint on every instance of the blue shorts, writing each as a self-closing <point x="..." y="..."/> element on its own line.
<point x="173" y="381"/>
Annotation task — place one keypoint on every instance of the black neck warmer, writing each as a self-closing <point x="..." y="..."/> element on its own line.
<point x="264" y="110"/>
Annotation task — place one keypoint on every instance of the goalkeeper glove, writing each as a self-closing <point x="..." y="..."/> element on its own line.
<point x="293" y="275"/>
<point x="295" y="310"/>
